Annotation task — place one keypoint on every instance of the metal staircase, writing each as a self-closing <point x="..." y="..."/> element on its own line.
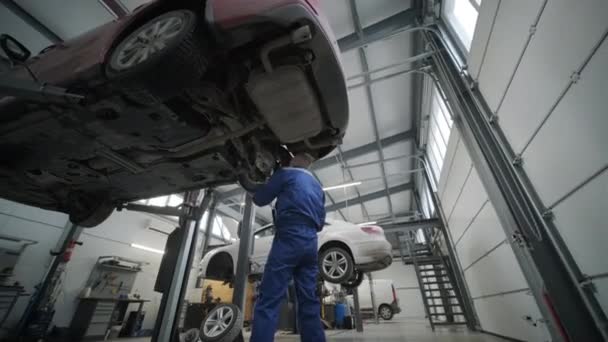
<point x="442" y="302"/>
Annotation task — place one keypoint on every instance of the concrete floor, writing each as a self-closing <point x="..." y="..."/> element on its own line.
<point x="404" y="330"/>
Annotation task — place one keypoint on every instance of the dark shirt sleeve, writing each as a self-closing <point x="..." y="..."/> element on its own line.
<point x="269" y="191"/>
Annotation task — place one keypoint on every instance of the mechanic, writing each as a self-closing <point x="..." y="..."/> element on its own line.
<point x="300" y="214"/>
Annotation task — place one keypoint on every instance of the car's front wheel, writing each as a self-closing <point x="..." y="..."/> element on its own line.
<point x="336" y="265"/>
<point x="159" y="58"/>
<point x="386" y="312"/>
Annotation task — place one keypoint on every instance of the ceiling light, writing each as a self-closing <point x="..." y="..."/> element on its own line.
<point x="367" y="223"/>
<point x="149" y="249"/>
<point x="341" y="186"/>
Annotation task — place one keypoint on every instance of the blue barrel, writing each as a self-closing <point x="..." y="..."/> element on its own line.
<point x="340" y="315"/>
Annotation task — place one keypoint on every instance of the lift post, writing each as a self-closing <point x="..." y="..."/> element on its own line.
<point x="373" y="295"/>
<point x="245" y="250"/>
<point x="358" y="320"/>
<point x="190" y="216"/>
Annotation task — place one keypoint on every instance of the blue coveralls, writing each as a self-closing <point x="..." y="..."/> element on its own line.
<point x="300" y="213"/>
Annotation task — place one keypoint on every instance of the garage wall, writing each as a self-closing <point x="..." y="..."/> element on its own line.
<point x="542" y="66"/>
<point x="113" y="237"/>
<point x="497" y="286"/>
<point x="406" y="286"/>
<point x="44" y="227"/>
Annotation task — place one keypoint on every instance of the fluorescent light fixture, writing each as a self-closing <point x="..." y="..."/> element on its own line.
<point x="341" y="186"/>
<point x="149" y="249"/>
<point x="367" y="223"/>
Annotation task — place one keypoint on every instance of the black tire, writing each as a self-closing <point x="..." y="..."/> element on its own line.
<point x="348" y="269"/>
<point x="354" y="281"/>
<point x="89" y="211"/>
<point x="232" y="330"/>
<point x="385" y="312"/>
<point x="179" y="65"/>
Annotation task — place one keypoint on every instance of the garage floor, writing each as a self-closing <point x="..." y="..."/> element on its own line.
<point x="396" y="330"/>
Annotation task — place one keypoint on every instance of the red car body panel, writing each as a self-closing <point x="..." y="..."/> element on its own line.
<point x="84" y="55"/>
<point x="228" y="14"/>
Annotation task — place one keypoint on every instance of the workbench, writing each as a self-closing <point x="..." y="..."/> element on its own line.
<point x="94" y="317"/>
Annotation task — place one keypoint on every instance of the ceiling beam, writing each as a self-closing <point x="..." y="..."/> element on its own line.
<point x="31" y="21"/>
<point x="411" y="226"/>
<point x="365" y="149"/>
<point x="379" y="30"/>
<point x="369" y="197"/>
<point x="371" y="104"/>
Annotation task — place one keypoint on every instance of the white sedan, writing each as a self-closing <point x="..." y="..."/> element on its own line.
<point x="346" y="251"/>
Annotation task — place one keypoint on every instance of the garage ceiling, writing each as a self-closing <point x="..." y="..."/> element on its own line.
<point x="381" y="103"/>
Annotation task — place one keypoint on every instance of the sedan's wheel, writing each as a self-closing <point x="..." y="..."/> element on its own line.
<point x="386" y="312"/>
<point x="222" y="324"/>
<point x="160" y="58"/>
<point x="336" y="265"/>
<point x="354" y="281"/>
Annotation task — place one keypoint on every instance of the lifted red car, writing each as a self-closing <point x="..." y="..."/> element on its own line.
<point x="178" y="95"/>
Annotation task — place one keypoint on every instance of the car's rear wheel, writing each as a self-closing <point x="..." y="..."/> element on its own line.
<point x="159" y="58"/>
<point x="336" y="265"/>
<point x="385" y="312"/>
<point x="354" y="281"/>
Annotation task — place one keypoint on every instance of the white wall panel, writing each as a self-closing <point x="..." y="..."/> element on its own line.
<point x="13" y="25"/>
<point x="471" y="200"/>
<point x="484" y="234"/>
<point x="511" y="30"/>
<point x="504" y="315"/>
<point x="82" y="15"/>
<point x="580" y="120"/>
<point x="34" y="261"/>
<point x="113" y="237"/>
<point x="565" y="35"/>
<point x="485" y="21"/>
<point x="496" y="273"/>
<point x="457" y="176"/>
<point x="581" y="221"/>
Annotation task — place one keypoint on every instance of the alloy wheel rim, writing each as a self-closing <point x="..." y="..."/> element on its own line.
<point x="148" y="41"/>
<point x="385" y="313"/>
<point x="218" y="322"/>
<point x="335" y="265"/>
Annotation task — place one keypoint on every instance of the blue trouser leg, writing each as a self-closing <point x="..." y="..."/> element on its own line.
<point x="277" y="273"/>
<point x="309" y="310"/>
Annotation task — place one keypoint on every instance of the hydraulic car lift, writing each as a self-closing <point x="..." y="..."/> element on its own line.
<point x="190" y="214"/>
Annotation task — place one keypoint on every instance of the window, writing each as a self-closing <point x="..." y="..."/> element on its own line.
<point x="461" y="16"/>
<point x="264" y="232"/>
<point x="439" y="129"/>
